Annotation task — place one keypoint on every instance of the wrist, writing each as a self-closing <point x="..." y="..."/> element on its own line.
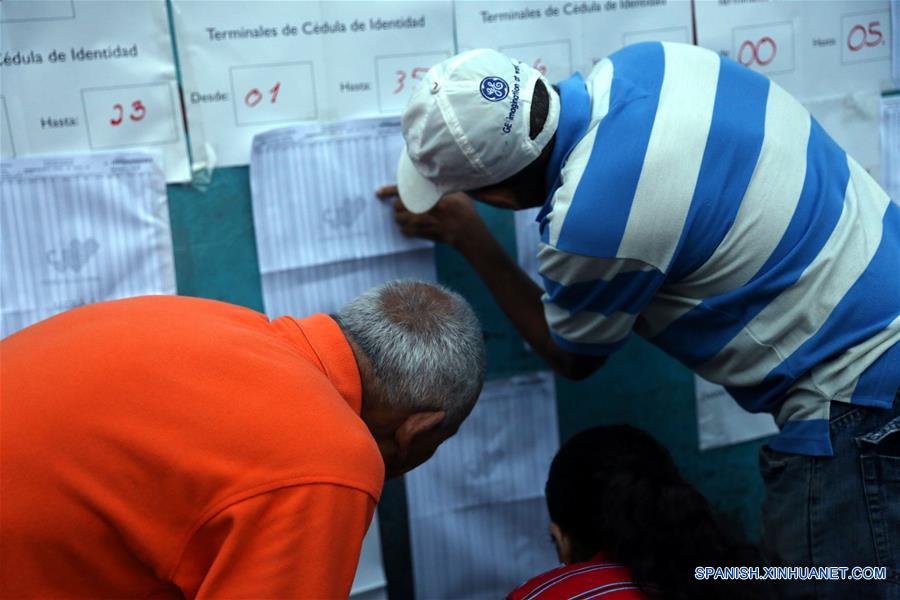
<point x="469" y="242"/>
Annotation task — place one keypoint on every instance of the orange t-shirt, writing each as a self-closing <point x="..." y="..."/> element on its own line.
<point x="165" y="446"/>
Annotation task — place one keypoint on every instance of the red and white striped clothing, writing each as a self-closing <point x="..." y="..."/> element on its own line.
<point x="597" y="578"/>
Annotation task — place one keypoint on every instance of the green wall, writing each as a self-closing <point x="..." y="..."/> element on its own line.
<point x="215" y="257"/>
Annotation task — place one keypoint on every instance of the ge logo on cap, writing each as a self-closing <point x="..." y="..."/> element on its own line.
<point x="494" y="89"/>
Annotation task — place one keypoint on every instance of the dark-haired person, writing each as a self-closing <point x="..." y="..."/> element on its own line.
<point x="628" y="526"/>
<point x="694" y="201"/>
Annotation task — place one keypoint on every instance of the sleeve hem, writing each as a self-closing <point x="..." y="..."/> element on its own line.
<point x="238" y="497"/>
<point x="587" y="349"/>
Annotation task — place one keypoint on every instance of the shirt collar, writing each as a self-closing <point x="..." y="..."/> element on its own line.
<point x="327" y="343"/>
<point x="574" y="118"/>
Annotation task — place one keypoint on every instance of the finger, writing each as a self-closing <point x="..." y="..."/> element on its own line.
<point x="405" y="219"/>
<point x="420" y="221"/>
<point x="409" y="230"/>
<point x="413" y="223"/>
<point x="399" y="207"/>
<point x="419" y="227"/>
<point x="387" y="191"/>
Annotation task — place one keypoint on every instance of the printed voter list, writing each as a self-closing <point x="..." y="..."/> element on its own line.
<point x="483" y="493"/>
<point x="81" y="229"/>
<point x="81" y="76"/>
<point x="322" y="236"/>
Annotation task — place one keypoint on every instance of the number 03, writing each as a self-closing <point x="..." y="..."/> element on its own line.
<point x="138" y="111"/>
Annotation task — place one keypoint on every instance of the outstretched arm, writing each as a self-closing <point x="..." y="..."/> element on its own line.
<point x="455" y="221"/>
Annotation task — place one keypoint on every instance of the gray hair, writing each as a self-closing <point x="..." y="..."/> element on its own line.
<point x="424" y="344"/>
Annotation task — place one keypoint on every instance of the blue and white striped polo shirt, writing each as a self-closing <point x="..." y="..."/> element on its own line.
<point x="699" y="204"/>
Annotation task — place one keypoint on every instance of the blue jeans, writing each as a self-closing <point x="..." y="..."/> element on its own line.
<point x="840" y="511"/>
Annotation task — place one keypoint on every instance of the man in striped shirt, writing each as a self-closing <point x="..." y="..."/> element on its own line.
<point x="697" y="203"/>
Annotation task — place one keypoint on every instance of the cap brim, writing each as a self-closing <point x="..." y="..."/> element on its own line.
<point x="417" y="193"/>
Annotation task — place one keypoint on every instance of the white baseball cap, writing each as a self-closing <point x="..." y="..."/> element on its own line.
<point x="467" y="126"/>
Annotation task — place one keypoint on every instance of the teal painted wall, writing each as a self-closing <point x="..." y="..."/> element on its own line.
<point x="215" y="257"/>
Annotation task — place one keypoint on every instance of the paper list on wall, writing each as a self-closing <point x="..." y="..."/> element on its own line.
<point x="528" y="236"/>
<point x="81" y="229"/>
<point x="722" y="422"/>
<point x="527" y="239"/>
<point x="890" y="145"/>
<point x="370" y="581"/>
<point x="322" y="236"/>
<point x="852" y="121"/>
<point x="249" y="66"/>
<point x="559" y="38"/>
<point x="832" y="56"/>
<point x="80" y="76"/>
<point x="477" y="516"/>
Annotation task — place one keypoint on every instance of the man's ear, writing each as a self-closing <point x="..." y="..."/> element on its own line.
<point x="414" y="425"/>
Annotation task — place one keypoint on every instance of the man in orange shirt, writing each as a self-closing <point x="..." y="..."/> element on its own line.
<point x="172" y="447"/>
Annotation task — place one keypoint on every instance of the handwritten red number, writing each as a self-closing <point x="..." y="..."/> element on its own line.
<point x="756" y="52"/>
<point x="875" y="32"/>
<point x="138" y="111"/>
<point x="252" y="98"/>
<point x="118" y="119"/>
<point x="855" y="47"/>
<point x="417" y="73"/>
<point x="869" y="38"/>
<point x="401" y="78"/>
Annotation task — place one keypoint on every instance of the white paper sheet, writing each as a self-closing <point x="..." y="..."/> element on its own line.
<point x="890" y="145"/>
<point x="816" y="48"/>
<point x="560" y="38"/>
<point x="318" y="183"/>
<point x="81" y="229"/>
<point x="326" y="288"/>
<point x="82" y="75"/>
<point x="722" y="422"/>
<point x="477" y="515"/>
<point x="834" y="56"/>
<point x="379" y="593"/>
<point x="370" y="582"/>
<point x="852" y="120"/>
<point x="528" y="237"/>
<point x="248" y="66"/>
<point x="323" y="238"/>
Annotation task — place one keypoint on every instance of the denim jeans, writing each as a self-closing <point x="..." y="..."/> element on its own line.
<point x="840" y="511"/>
